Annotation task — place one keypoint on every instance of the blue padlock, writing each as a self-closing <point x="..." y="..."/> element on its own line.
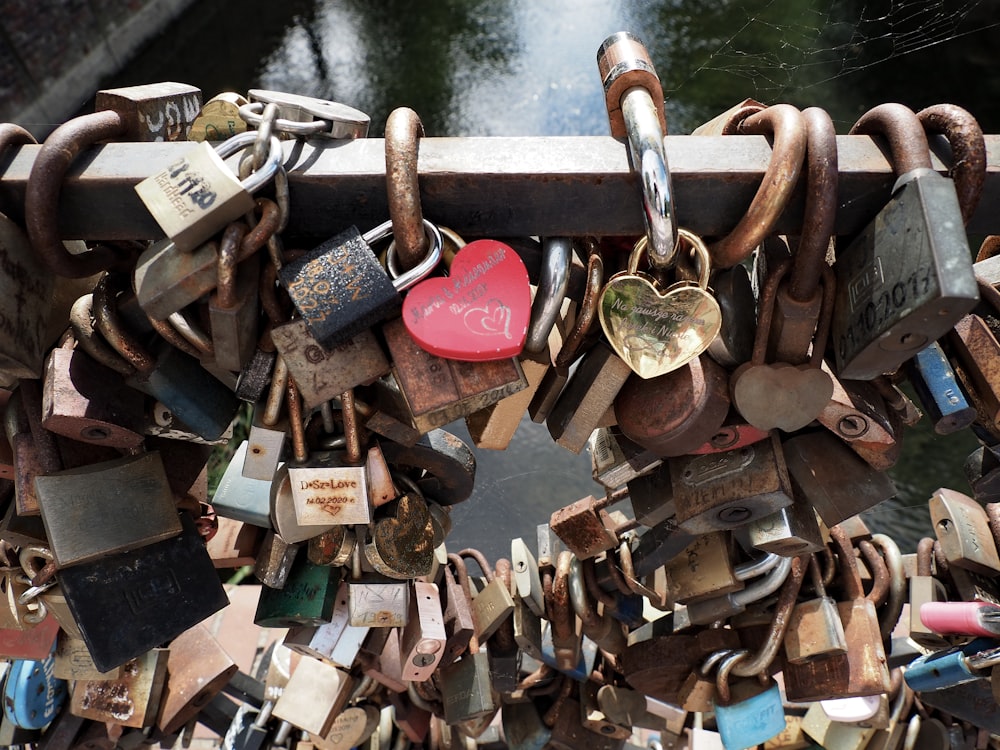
<point x="750" y="713"/>
<point x="954" y="666"/>
<point x="32" y="695"/>
<point x="934" y="382"/>
<point x="588" y="654"/>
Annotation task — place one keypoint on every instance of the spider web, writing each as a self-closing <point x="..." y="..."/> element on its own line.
<point x="828" y="52"/>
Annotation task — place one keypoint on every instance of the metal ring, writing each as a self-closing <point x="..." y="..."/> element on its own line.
<point x="757" y="567"/>
<point x="252" y="114"/>
<point x="722" y="676"/>
<point x="649" y="159"/>
<point x="403" y="281"/>
<point x="557" y="253"/>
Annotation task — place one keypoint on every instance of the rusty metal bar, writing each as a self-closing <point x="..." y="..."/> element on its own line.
<point x="501" y="187"/>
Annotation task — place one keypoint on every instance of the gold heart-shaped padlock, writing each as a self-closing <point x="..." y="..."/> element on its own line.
<point x="656" y="331"/>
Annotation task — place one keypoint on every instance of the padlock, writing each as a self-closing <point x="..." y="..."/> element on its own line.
<point x="698" y="691"/>
<point x="154" y="111"/>
<point x="492" y="605"/>
<point x="466" y="688"/>
<point x="677" y="412"/>
<point x="592" y="717"/>
<point x="704" y="569"/>
<point x="402" y="543"/>
<point x="435" y="391"/>
<point x="974" y="346"/>
<point x="615" y="460"/>
<point x="526" y="576"/>
<point x="962" y="528"/>
<point x="32" y="695"/>
<point x="197" y="195"/>
<point x="588" y="395"/>
<point x="892" y="296"/>
<point x="233" y="309"/>
<point x="307" y="597"/>
<point x="728" y="490"/>
<point x="131" y="700"/>
<point x="923" y="588"/>
<point x="605" y="631"/>
<point x="84" y="400"/>
<point x="77" y="520"/>
<point x="585" y="527"/>
<point x="749" y="712"/>
<point x="273" y="561"/>
<point x="943" y="669"/>
<point x="631" y="708"/>
<point x="658" y="330"/>
<point x="634" y="101"/>
<point x="494" y="426"/>
<point x="502" y="647"/>
<point x="575" y="342"/>
<point x="863" y="669"/>
<point x="776" y="571"/>
<point x="73" y="661"/>
<point x="480" y="312"/>
<point x="821" y="728"/>
<point x="334" y="547"/>
<point x="339" y="288"/>
<point x="161" y="589"/>
<point x="527" y="628"/>
<point x="352" y="727"/>
<point x="790" y="531"/>
<point x="306" y="115"/>
<point x="832" y="478"/>
<point x="314" y="696"/>
<point x="780" y="394"/>
<point x="33" y="559"/>
<point x="240" y="497"/>
<point x="336" y="641"/>
<point x="218" y="118"/>
<point x="374" y="600"/>
<point x="422" y="641"/>
<point x="208" y="409"/>
<point x="933" y="380"/>
<point x="858" y="414"/>
<point x="814" y="627"/>
<point x="459" y="624"/>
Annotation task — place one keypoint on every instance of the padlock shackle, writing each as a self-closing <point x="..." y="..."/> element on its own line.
<point x="557" y="254"/>
<point x="260" y="177"/>
<point x="880" y="573"/>
<point x="785" y="124"/>
<point x="900" y="127"/>
<point x="403" y="131"/>
<point x="586" y="314"/>
<point x="82" y="325"/>
<point x="403" y="280"/>
<point x="774" y="640"/>
<point x="849" y="575"/>
<point x="112" y="327"/>
<point x="890" y="613"/>
<point x="821" y="205"/>
<point x="41" y="195"/>
<point x="968" y="151"/>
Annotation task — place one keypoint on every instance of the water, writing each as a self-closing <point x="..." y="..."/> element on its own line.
<point x="510" y="67"/>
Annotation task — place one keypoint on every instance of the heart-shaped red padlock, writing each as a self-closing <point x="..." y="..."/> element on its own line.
<point x="479" y="312"/>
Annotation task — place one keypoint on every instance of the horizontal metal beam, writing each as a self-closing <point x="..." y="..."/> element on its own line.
<point x="500" y="187"/>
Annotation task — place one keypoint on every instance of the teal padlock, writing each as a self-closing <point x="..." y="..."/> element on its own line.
<point x="307" y="598"/>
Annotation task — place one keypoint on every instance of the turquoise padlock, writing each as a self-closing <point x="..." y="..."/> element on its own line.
<point x="750" y="712"/>
<point x="32" y="695"/>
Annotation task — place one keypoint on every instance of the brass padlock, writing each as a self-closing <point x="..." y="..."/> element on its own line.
<point x="197" y="195"/>
<point x="131" y="700"/>
<point x="88" y="512"/>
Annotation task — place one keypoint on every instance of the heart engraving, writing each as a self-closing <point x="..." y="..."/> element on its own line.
<point x="656" y="332"/>
<point x="479" y="312"/>
<point x="780" y="395"/>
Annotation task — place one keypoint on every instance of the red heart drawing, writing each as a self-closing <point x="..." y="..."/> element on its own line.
<point x="479" y="312"/>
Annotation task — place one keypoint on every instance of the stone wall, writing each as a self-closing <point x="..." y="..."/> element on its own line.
<point x="53" y="54"/>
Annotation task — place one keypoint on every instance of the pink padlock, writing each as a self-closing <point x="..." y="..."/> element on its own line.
<point x="961" y="618"/>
